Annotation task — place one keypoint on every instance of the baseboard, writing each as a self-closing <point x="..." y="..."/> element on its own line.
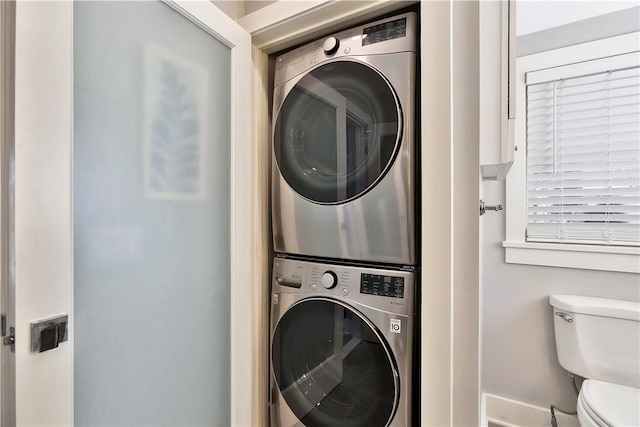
<point x="512" y="413"/>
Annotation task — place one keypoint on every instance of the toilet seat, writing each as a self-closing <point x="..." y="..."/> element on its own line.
<point x="587" y="417"/>
<point x="607" y="405"/>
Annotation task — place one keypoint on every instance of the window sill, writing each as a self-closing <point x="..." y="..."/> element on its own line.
<point x="605" y="258"/>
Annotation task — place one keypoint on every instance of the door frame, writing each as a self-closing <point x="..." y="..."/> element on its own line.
<point x="284" y="24"/>
<point x="44" y="204"/>
<point x="450" y="377"/>
<point x="7" y="278"/>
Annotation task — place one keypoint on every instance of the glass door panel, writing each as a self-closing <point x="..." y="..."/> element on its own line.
<point x="151" y="217"/>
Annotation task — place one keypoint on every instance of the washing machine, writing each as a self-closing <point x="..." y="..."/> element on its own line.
<point x="341" y="345"/>
<point x="344" y="152"/>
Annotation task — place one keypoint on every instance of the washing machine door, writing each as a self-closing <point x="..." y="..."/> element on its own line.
<point x="332" y="366"/>
<point x="337" y="132"/>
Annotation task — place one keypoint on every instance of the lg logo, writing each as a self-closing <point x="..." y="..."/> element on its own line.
<point x="395" y="326"/>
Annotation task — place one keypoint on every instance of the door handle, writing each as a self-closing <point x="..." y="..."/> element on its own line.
<point x="288" y="282"/>
<point x="564" y="316"/>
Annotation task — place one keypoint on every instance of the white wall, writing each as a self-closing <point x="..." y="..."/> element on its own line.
<point x="518" y="346"/>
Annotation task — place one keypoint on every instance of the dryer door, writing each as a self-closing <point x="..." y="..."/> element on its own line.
<point x="337" y="132"/>
<point x="333" y="367"/>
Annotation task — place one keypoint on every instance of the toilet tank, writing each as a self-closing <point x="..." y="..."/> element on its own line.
<point x="598" y="338"/>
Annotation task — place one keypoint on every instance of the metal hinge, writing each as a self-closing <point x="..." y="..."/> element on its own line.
<point x="11" y="339"/>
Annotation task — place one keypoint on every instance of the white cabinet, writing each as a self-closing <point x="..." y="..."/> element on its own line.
<point x="497" y="102"/>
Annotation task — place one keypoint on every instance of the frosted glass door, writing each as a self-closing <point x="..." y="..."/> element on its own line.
<point x="151" y="217"/>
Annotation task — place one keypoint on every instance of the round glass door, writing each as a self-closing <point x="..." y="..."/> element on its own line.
<point x="332" y="366"/>
<point x="337" y="132"/>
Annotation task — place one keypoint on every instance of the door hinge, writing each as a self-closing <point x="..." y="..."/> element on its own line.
<point x="11" y="339"/>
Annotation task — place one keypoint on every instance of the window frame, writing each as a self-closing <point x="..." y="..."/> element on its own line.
<point x="517" y="249"/>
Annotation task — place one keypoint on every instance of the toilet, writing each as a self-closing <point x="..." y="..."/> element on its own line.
<point x="599" y="340"/>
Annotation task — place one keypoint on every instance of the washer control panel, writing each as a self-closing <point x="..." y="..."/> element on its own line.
<point x="391" y="290"/>
<point x="329" y="279"/>
<point x="381" y="284"/>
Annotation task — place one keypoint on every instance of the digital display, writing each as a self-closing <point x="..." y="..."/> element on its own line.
<point x="379" y="284"/>
<point x="385" y="31"/>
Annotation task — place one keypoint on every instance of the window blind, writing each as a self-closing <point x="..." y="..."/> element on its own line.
<point x="583" y="152"/>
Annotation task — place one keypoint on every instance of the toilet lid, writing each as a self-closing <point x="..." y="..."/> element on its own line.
<point x="613" y="404"/>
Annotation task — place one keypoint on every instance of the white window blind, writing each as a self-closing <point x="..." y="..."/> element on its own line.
<point x="583" y="152"/>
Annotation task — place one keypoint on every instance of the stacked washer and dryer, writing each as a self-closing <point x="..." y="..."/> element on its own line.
<point x="344" y="225"/>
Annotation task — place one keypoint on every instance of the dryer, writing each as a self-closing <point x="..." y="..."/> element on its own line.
<point x="343" y="183"/>
<point x="341" y="345"/>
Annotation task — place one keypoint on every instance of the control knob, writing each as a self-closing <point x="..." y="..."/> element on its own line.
<point x="331" y="45"/>
<point x="329" y="279"/>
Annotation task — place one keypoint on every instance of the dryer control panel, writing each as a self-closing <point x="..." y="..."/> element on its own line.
<point x="384" y="31"/>
<point x="397" y="33"/>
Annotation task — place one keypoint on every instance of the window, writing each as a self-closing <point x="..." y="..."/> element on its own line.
<point x="573" y="197"/>
<point x="583" y="152"/>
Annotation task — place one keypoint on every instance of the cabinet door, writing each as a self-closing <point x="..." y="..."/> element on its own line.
<point x="133" y="213"/>
<point x="497" y="93"/>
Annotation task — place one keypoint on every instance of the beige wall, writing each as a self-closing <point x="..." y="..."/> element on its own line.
<point x="252" y="6"/>
<point x="518" y="346"/>
<point x="239" y="8"/>
<point x="233" y="8"/>
<point x="466" y="159"/>
<point x="450" y="171"/>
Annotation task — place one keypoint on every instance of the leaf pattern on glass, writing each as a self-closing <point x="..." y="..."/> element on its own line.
<point x="175" y="150"/>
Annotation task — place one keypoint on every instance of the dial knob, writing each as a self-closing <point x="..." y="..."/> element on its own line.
<point x="331" y="45"/>
<point x="329" y="279"/>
